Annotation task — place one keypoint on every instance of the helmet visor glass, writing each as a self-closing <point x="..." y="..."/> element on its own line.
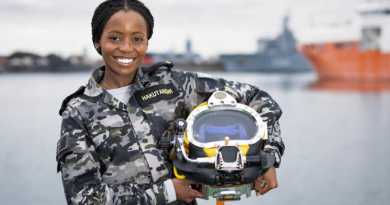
<point x="215" y="125"/>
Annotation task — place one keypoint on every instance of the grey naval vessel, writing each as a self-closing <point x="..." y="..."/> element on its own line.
<point x="273" y="55"/>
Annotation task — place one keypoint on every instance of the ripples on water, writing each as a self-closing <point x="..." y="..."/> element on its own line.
<point x="337" y="142"/>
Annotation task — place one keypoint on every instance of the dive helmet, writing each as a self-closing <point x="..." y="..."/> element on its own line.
<point x="221" y="145"/>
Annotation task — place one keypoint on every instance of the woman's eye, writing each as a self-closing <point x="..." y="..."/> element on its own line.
<point x="114" y="38"/>
<point x="137" y="39"/>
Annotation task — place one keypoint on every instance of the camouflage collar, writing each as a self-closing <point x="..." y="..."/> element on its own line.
<point x="141" y="78"/>
<point x="93" y="89"/>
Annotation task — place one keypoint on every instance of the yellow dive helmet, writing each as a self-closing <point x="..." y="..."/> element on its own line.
<point x="221" y="145"/>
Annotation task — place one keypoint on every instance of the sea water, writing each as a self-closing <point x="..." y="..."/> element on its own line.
<point x="337" y="143"/>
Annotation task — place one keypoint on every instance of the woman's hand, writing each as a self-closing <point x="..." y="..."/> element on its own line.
<point x="270" y="180"/>
<point x="183" y="190"/>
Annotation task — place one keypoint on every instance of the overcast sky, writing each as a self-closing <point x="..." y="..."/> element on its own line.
<point x="214" y="26"/>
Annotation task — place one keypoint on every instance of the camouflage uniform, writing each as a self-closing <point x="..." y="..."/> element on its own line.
<point x="107" y="152"/>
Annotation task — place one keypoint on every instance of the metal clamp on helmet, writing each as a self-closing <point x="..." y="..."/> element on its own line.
<point x="221" y="145"/>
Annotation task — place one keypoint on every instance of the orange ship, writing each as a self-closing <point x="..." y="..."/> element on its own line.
<point x="362" y="63"/>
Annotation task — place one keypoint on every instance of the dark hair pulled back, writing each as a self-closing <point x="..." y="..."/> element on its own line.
<point x="107" y="8"/>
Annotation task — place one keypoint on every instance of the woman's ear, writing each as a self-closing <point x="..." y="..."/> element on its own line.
<point x="97" y="45"/>
<point x="98" y="48"/>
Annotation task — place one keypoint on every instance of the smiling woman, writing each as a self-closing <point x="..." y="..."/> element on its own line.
<point x="120" y="33"/>
<point x="123" y="46"/>
<point x="107" y="152"/>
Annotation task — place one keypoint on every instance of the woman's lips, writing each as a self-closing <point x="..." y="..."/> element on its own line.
<point x="124" y="61"/>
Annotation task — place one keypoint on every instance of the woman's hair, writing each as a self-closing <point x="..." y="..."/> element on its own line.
<point x="106" y="9"/>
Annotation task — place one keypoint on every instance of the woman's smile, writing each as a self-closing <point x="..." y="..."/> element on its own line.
<point x="124" y="61"/>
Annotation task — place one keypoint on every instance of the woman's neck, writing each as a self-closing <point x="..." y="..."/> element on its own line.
<point x="113" y="80"/>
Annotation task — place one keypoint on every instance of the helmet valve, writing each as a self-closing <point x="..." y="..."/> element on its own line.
<point x="227" y="140"/>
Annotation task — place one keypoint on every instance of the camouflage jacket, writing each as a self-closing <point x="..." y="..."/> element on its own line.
<point x="107" y="152"/>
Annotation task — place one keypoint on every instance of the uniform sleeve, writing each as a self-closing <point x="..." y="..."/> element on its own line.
<point x="199" y="87"/>
<point x="80" y="168"/>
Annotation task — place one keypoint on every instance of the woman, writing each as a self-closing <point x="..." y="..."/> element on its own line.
<point x="107" y="152"/>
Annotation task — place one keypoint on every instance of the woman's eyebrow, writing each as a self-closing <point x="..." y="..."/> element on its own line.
<point x="133" y="33"/>
<point x="118" y="32"/>
<point x="138" y="32"/>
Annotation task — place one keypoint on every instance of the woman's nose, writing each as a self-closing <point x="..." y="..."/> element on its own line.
<point x="126" y="46"/>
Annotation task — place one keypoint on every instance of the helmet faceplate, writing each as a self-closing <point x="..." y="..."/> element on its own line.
<point x="223" y="118"/>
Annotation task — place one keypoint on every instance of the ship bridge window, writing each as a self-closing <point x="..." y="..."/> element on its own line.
<point x="376" y="12"/>
<point x="316" y="47"/>
<point x="371" y="37"/>
<point x="345" y="45"/>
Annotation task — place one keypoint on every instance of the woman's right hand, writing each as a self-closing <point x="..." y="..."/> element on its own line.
<point x="183" y="190"/>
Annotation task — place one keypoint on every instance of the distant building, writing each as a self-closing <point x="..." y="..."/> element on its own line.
<point x="30" y="62"/>
<point x="3" y="63"/>
<point x="189" y="57"/>
<point x="24" y="61"/>
<point x="76" y="60"/>
<point x="188" y="60"/>
<point x="56" y="63"/>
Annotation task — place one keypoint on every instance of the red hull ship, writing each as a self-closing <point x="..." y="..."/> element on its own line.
<point x="363" y="63"/>
<point x="344" y="60"/>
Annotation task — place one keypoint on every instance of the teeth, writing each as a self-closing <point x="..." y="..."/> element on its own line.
<point x="125" y="60"/>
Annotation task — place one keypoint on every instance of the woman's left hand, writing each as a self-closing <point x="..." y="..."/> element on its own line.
<point x="270" y="180"/>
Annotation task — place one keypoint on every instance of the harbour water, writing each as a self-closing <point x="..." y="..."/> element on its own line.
<point x="337" y="142"/>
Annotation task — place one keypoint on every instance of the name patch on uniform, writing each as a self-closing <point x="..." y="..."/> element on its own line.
<point x="156" y="93"/>
<point x="204" y="75"/>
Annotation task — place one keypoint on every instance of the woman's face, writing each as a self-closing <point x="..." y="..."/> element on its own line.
<point x="124" y="42"/>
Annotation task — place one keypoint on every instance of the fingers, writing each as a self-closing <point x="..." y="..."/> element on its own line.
<point x="258" y="185"/>
<point x="268" y="186"/>
<point x="191" y="195"/>
<point x="184" y="192"/>
<point x="271" y="181"/>
<point x="196" y="194"/>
